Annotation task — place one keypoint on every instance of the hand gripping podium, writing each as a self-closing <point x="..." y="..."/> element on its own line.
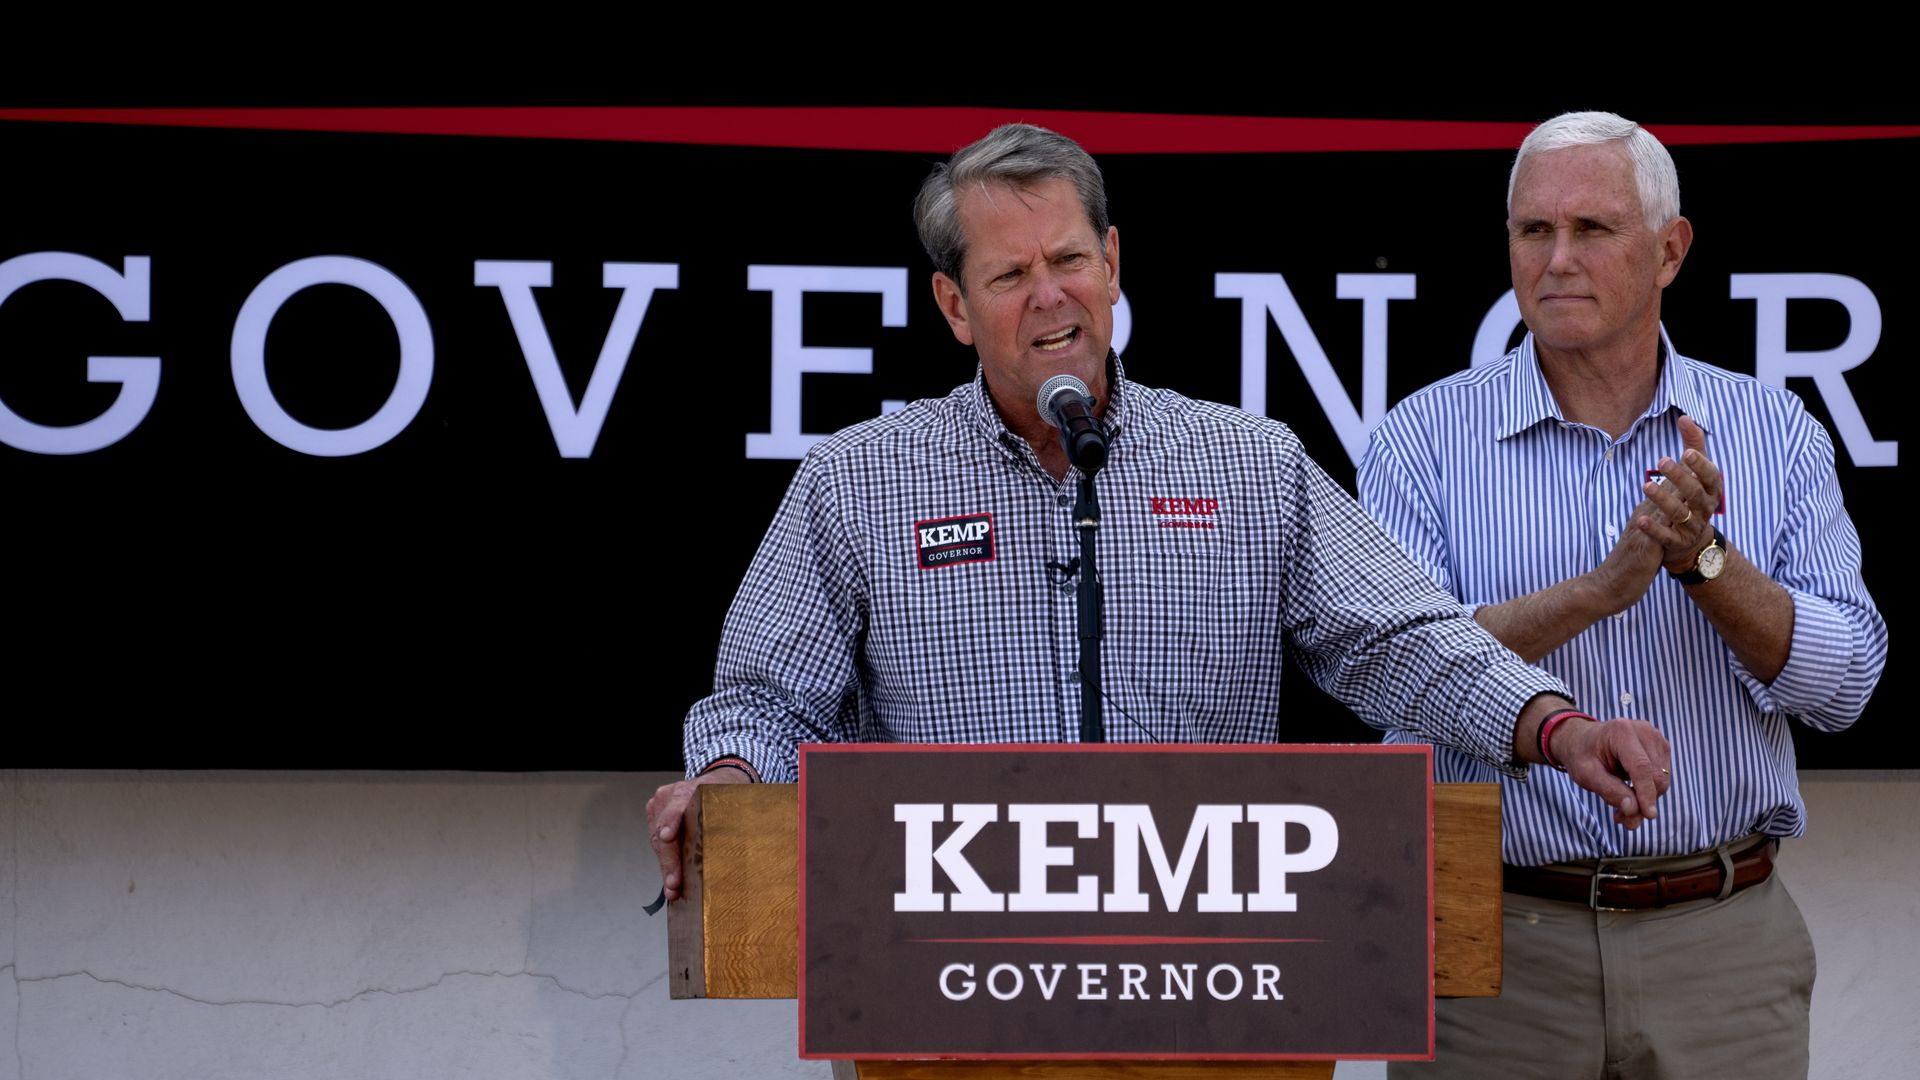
<point x="735" y="931"/>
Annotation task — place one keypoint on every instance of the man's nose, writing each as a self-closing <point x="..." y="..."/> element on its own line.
<point x="1563" y="259"/>
<point x="1049" y="289"/>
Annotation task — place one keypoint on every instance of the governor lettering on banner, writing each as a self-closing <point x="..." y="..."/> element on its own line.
<point x="1262" y="295"/>
<point x="131" y="293"/>
<point x="789" y="285"/>
<point x="575" y="428"/>
<point x="1774" y="363"/>
<point x="1116" y="902"/>
<point x="249" y="352"/>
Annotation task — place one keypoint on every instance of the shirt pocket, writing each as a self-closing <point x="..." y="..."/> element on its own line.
<point x="1183" y="633"/>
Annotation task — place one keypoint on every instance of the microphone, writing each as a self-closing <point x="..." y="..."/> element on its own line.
<point x="1065" y="403"/>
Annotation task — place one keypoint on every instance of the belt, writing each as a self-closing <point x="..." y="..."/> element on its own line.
<point x="1722" y="872"/>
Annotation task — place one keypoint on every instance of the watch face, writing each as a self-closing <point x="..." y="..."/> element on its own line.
<point x="1712" y="561"/>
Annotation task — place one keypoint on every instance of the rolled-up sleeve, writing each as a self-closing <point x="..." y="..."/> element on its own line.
<point x="1839" y="647"/>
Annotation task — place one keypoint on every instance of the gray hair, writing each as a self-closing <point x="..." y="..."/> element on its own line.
<point x="1653" y="171"/>
<point x="1018" y="155"/>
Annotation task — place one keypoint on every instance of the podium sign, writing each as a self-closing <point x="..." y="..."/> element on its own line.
<point x="1118" y="901"/>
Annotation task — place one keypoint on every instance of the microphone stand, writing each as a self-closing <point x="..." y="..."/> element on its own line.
<point x="1063" y="402"/>
<point x="1087" y="602"/>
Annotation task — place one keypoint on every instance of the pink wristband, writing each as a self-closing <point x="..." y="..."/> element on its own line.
<point x="1546" y="733"/>
<point x="731" y="762"/>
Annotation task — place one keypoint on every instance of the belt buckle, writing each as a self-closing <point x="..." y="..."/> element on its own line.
<point x="1593" y="886"/>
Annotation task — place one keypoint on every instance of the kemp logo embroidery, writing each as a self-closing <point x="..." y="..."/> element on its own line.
<point x="1184" y="513"/>
<point x="950" y="541"/>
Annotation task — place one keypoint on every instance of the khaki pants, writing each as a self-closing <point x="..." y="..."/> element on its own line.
<point x="1703" y="989"/>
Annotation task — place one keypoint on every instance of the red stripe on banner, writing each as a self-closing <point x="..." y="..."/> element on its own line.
<point x="933" y="130"/>
<point x="1121" y="939"/>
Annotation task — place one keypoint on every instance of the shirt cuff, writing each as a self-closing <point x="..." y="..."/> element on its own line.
<point x="1818" y="660"/>
<point x="774" y="765"/>
<point x="1493" y="708"/>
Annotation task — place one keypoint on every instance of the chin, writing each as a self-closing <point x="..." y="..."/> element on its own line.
<point x="1073" y="363"/>
<point x="1559" y="335"/>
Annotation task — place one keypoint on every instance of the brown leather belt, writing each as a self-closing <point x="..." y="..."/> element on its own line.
<point x="1608" y="890"/>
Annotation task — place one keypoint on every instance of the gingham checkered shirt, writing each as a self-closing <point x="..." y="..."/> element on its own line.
<point x="1446" y="472"/>
<point x="1221" y="545"/>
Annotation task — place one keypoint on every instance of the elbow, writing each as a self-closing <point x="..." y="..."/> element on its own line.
<point x="1837" y="710"/>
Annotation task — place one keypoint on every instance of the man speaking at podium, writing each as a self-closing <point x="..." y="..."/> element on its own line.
<point x="918" y="582"/>
<point x="1668" y="537"/>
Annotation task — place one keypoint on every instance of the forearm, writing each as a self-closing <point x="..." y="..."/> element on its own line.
<point x="1538" y="623"/>
<point x="1752" y="614"/>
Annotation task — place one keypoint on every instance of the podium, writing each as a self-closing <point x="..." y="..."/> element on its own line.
<point x="734" y="932"/>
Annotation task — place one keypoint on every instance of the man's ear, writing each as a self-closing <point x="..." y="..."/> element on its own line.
<point x="1675" y="239"/>
<point x="1113" y="264"/>
<point x="953" y="304"/>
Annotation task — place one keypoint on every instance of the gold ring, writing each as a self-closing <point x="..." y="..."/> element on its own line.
<point x="1686" y="519"/>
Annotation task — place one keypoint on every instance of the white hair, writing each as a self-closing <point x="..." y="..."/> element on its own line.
<point x="1653" y="171"/>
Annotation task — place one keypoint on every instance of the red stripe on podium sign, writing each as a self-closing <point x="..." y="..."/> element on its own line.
<point x="1117" y="939"/>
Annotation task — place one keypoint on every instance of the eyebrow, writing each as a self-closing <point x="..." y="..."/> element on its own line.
<point x="989" y="272"/>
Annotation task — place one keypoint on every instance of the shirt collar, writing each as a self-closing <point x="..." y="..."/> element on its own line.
<point x="1530" y="400"/>
<point x="1677" y="382"/>
<point x="986" y="418"/>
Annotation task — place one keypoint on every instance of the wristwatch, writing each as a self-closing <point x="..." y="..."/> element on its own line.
<point x="1712" y="560"/>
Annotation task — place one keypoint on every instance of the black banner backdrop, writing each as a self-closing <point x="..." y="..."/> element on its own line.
<point x="198" y="581"/>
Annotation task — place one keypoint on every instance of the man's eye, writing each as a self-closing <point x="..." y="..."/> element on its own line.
<point x="1009" y="277"/>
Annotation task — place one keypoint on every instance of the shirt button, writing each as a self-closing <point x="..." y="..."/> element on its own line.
<point x="1608" y="456"/>
<point x="1612" y="532"/>
<point x="1619" y="616"/>
<point x="1626" y="699"/>
<point x="1063" y="500"/>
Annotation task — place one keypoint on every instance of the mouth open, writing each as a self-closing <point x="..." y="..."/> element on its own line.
<point x="1057" y="341"/>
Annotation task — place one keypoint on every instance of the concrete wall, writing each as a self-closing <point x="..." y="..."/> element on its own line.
<point x="289" y="925"/>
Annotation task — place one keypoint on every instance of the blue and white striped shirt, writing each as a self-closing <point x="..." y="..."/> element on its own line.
<point x="1497" y="495"/>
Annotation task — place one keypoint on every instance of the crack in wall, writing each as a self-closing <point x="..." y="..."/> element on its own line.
<point x="628" y="995"/>
<point x="530" y="846"/>
<point x="19" y="1055"/>
<point x="13" y="888"/>
<point x="533" y="909"/>
<point x="621" y="1065"/>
